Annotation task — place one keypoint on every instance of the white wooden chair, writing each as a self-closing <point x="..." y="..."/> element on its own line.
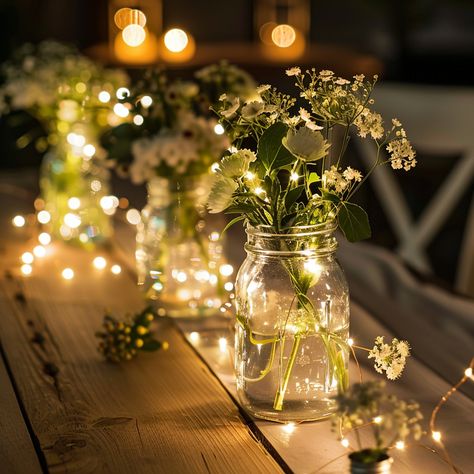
<point x="438" y="120"/>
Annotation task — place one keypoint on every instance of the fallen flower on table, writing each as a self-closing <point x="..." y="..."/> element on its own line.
<point x="122" y="340"/>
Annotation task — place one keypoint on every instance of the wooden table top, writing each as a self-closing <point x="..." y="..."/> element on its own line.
<point x="64" y="409"/>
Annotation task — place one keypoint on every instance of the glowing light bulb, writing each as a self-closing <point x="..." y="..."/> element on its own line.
<point x="226" y="270"/>
<point x="249" y="175"/>
<point x="223" y="344"/>
<point x="74" y="203"/>
<point x="378" y="420"/>
<point x="289" y="428"/>
<point x="99" y="262"/>
<point x="283" y="35"/>
<point x="122" y="93"/>
<point x="176" y="40"/>
<point x="26" y="269"/>
<point x="219" y="129"/>
<point x="18" y="221"/>
<point x="436" y="435"/>
<point x="259" y="190"/>
<point x="44" y="238"/>
<point x="294" y="176"/>
<point x="146" y="101"/>
<point x="121" y="110"/>
<point x="350" y="341"/>
<point x="214" y="237"/>
<point x="116" y="269"/>
<point x="138" y="120"/>
<point x="39" y="251"/>
<point x="104" y="97"/>
<point x="214" y="167"/>
<point x="75" y="139"/>
<point x="106" y="202"/>
<point x="468" y="373"/>
<point x="345" y="442"/>
<point x="72" y="220"/>
<point x="133" y="35"/>
<point x="27" y="257"/>
<point x="400" y="445"/>
<point x="133" y="216"/>
<point x="229" y="286"/>
<point x="89" y="150"/>
<point x="68" y="273"/>
<point x="194" y="336"/>
<point x="181" y="277"/>
<point x="43" y="217"/>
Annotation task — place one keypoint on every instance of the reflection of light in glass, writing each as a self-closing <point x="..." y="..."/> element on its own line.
<point x="116" y="269"/>
<point x="68" y="273"/>
<point x="134" y="35"/>
<point x="283" y="36"/>
<point x="39" y="251"/>
<point x="146" y="101"/>
<point x="18" y="221"/>
<point x="43" y="217"/>
<point x="104" y="96"/>
<point x="26" y="269"/>
<point x="99" y="262"/>
<point x="223" y="344"/>
<point x="27" y="257"/>
<point x="289" y="428"/>
<point x="194" y="336"/>
<point x="313" y="267"/>
<point x="72" y="220"/>
<point x="176" y="40"/>
<point x="133" y="216"/>
<point x="219" y="129"/>
<point x="74" y="203"/>
<point x="138" y="120"/>
<point x="44" y="238"/>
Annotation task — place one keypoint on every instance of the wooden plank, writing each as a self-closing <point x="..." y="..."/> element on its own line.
<point x="165" y="412"/>
<point x="17" y="453"/>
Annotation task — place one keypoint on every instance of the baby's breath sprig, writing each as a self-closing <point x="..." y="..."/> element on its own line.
<point x="121" y="340"/>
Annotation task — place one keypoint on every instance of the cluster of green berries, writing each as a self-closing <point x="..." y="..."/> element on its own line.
<point x="121" y="340"/>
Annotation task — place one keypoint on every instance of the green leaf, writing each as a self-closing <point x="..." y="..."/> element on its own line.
<point x="313" y="178"/>
<point x="331" y="197"/>
<point x="151" y="345"/>
<point x="292" y="196"/>
<point x="231" y="223"/>
<point x="241" y="208"/>
<point x="271" y="152"/>
<point x="354" y="222"/>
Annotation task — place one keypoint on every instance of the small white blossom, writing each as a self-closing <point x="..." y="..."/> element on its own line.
<point x="402" y="154"/>
<point x="390" y="359"/>
<point x="352" y="174"/>
<point x="294" y="71"/>
<point x="262" y="88"/>
<point x="370" y="123"/>
<point x="252" y="110"/>
<point x="221" y="193"/>
<point x="231" y="111"/>
<point x="306" y="144"/>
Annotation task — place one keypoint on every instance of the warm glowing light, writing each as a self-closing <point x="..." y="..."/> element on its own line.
<point x="249" y="175"/>
<point x="72" y="220"/>
<point x="122" y="93"/>
<point x="176" y="40"/>
<point x="133" y="35"/>
<point x="226" y="270"/>
<point x="146" y="101"/>
<point x="27" y="257"/>
<point x="259" y="190"/>
<point x="81" y="87"/>
<point x="75" y="139"/>
<point x="181" y="277"/>
<point x="350" y="341"/>
<point x="83" y="238"/>
<point x="39" y="251"/>
<point x="116" y="269"/>
<point x="138" y="120"/>
<point x="436" y="435"/>
<point x="96" y="185"/>
<point x="65" y="231"/>
<point x="400" y="445"/>
<point x="126" y="16"/>
<point x="219" y="129"/>
<point x="104" y="96"/>
<point x="294" y="176"/>
<point x="43" y="217"/>
<point x="133" y="216"/>
<point x="18" y="221"/>
<point x="194" y="336"/>
<point x="106" y="202"/>
<point x="214" y="237"/>
<point x="26" y="269"/>
<point x="468" y="373"/>
<point x="215" y="167"/>
<point x="44" y="238"/>
<point x="313" y="267"/>
<point x="289" y="428"/>
<point x="68" y="273"/>
<point x="223" y="344"/>
<point x="283" y="36"/>
<point x="74" y="203"/>
<point x="99" y="262"/>
<point x="378" y="420"/>
<point x="89" y="150"/>
<point x="121" y="110"/>
<point x="229" y="286"/>
<point x="345" y="442"/>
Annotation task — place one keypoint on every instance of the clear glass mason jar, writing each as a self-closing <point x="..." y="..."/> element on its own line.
<point x="179" y="253"/>
<point x="292" y="303"/>
<point x="72" y="189"/>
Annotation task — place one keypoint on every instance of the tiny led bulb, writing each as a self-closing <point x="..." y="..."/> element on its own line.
<point x="39" y="251"/>
<point x="146" y="101"/>
<point x="68" y="273"/>
<point x="43" y="217"/>
<point x="400" y="445"/>
<point x="219" y="129"/>
<point x="104" y="96"/>
<point x="26" y="269"/>
<point x="27" y="257"/>
<point x="116" y="269"/>
<point x="194" y="336"/>
<point x="289" y="427"/>
<point x="378" y="420"/>
<point x="133" y="35"/>
<point x="223" y="344"/>
<point x="345" y="442"/>
<point x="176" y="40"/>
<point x="436" y="435"/>
<point x="294" y="176"/>
<point x="350" y="341"/>
<point x="18" y="221"/>
<point x="99" y="262"/>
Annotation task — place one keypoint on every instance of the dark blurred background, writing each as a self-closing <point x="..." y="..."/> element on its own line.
<point x="406" y="41"/>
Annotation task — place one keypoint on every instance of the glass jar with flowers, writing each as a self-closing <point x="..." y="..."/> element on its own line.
<point x="292" y="190"/>
<point x="67" y="94"/>
<point x="174" y="141"/>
